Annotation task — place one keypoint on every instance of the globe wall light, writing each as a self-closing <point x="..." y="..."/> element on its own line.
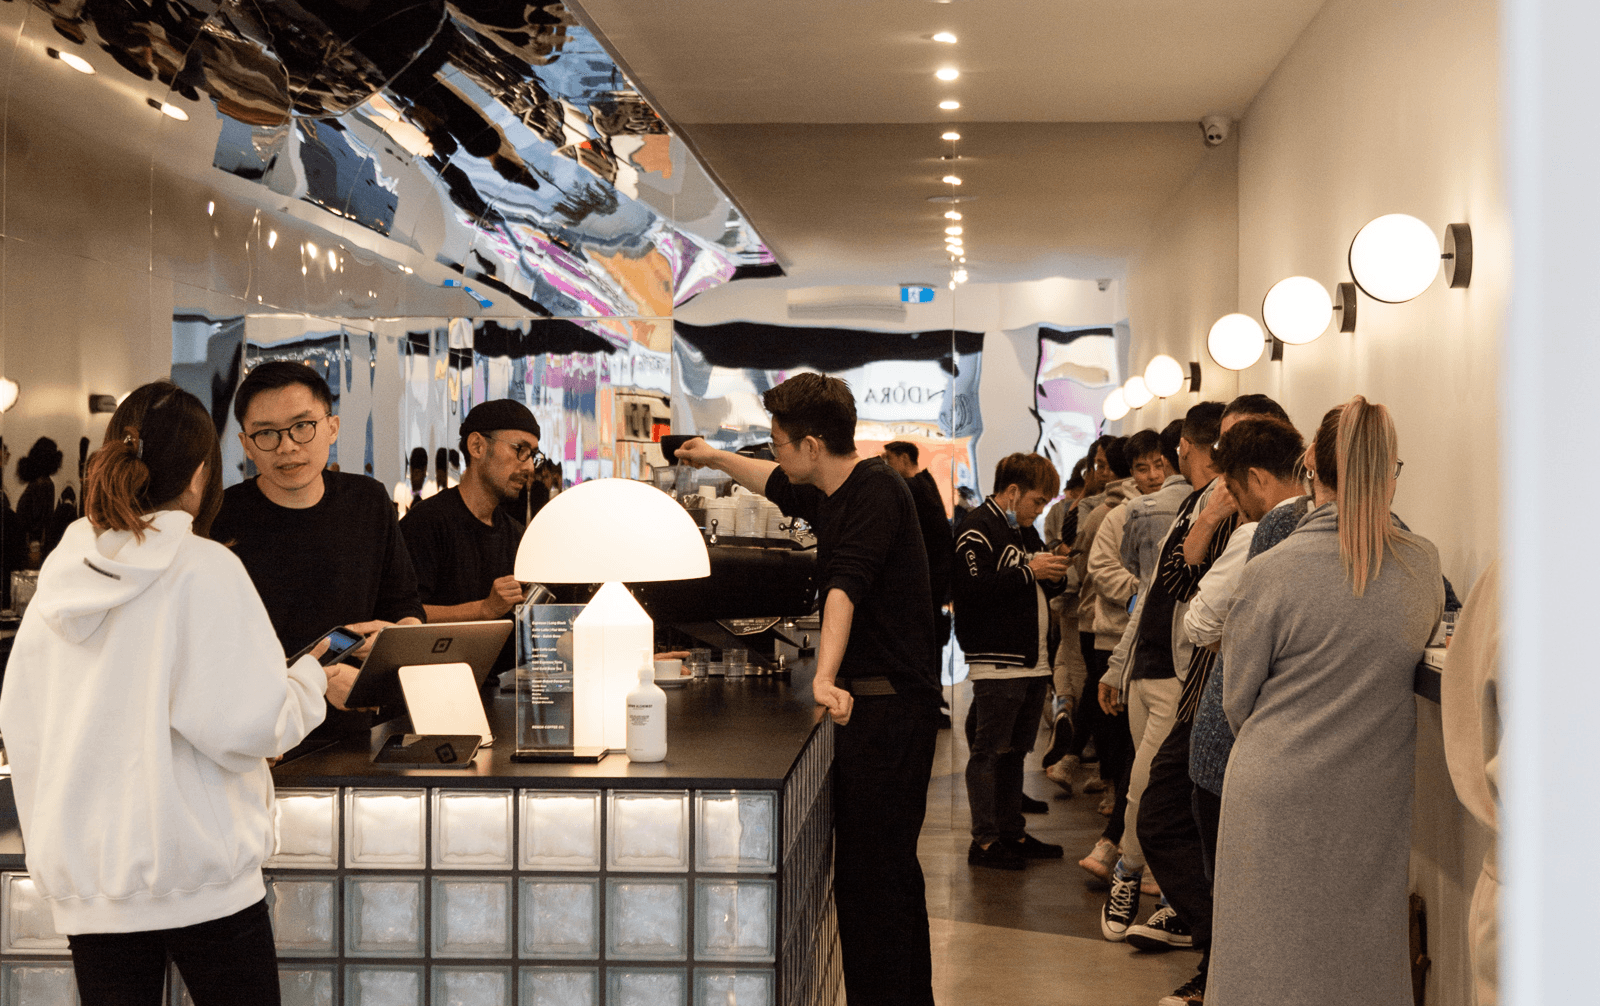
<point x="1164" y="376"/>
<point x="1114" y="407"/>
<point x="1236" y="341"/>
<point x="1135" y="393"/>
<point x="1395" y="257"/>
<point x="1297" y="310"/>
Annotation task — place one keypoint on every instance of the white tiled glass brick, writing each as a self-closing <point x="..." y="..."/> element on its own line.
<point x="303" y="916"/>
<point x="640" y="987"/>
<point x="560" y="917"/>
<point x="384" y="829"/>
<point x="306" y="823"/>
<point x="472" y="987"/>
<point x="383" y="916"/>
<point x="472" y="918"/>
<point x="471" y="829"/>
<point x="39" y="985"/>
<point x="736" y="832"/>
<point x="732" y="988"/>
<point x="26" y="925"/>
<point x="374" y="985"/>
<point x="648" y="832"/>
<point x="306" y="986"/>
<point x="646" y="920"/>
<point x="734" y="920"/>
<point x="560" y="831"/>
<point x="559" y="987"/>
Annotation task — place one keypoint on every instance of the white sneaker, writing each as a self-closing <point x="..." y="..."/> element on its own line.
<point x="1101" y="859"/>
<point x="1148" y="885"/>
<point x="1062" y="772"/>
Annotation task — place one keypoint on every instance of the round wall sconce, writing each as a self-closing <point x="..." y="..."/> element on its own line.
<point x="1236" y="341"/>
<point x="8" y="393"/>
<point x="1395" y="257"/>
<point x="1114" y="407"/>
<point x="1164" y="376"/>
<point x="1135" y="393"/>
<point x="1297" y="310"/>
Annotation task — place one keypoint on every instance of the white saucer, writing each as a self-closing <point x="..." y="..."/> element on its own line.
<point x="678" y="682"/>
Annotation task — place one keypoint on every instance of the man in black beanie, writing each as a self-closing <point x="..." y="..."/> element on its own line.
<point x="463" y="540"/>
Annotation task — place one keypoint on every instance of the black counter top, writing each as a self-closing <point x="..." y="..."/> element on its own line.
<point x="720" y="735"/>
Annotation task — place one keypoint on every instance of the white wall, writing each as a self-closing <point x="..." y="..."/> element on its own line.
<point x="1380" y="107"/>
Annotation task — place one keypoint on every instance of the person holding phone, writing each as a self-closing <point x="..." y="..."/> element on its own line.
<point x="463" y="540"/>
<point x="324" y="548"/>
<point x="145" y="693"/>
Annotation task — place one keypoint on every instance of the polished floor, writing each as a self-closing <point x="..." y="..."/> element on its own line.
<point x="1013" y="939"/>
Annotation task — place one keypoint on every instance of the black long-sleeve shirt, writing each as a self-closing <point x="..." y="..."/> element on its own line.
<point x="335" y="563"/>
<point x="936" y="536"/>
<point x="869" y="545"/>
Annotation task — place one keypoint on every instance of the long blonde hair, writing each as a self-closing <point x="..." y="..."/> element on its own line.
<point x="1365" y="448"/>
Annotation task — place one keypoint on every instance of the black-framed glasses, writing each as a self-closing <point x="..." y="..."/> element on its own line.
<point x="300" y="433"/>
<point x="522" y="449"/>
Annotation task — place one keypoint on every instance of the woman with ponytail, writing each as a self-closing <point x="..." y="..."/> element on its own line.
<point x="1321" y="647"/>
<point x="145" y="693"/>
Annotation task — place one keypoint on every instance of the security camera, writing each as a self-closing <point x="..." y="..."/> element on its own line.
<point x="1216" y="128"/>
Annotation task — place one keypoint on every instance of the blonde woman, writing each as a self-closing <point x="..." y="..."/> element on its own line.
<point x="1321" y="647"/>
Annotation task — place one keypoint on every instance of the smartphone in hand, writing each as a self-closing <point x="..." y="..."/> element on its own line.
<point x="340" y="642"/>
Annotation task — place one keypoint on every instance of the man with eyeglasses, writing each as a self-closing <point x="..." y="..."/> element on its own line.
<point x="463" y="540"/>
<point x="323" y="548"/>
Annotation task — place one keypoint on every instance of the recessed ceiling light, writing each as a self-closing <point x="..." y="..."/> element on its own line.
<point x="963" y="258"/>
<point x="170" y="111"/>
<point x="952" y="215"/>
<point x="953" y="241"/>
<point x="211" y="208"/>
<point x="952" y="230"/>
<point x="952" y="135"/>
<point x="949" y="106"/>
<point x="945" y="36"/>
<point x="951" y="180"/>
<point x="947" y="73"/>
<point x="272" y="239"/>
<point x="312" y="249"/>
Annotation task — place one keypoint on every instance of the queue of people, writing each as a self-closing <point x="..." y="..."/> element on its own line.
<point x="1249" y="614"/>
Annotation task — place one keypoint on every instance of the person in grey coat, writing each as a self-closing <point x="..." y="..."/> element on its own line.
<point x="1321" y="646"/>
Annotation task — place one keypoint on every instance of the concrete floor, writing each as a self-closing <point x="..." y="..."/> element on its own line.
<point x="1013" y="939"/>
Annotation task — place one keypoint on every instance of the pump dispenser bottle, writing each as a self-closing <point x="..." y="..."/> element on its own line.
<point x="647" y="719"/>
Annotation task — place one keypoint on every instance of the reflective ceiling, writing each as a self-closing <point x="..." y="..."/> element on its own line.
<point x="357" y="158"/>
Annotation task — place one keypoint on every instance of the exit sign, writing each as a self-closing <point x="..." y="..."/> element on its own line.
<point x="910" y="294"/>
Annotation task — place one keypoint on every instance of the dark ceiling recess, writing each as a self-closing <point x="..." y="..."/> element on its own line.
<point x="784" y="347"/>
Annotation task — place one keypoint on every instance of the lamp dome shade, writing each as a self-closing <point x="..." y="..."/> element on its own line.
<point x="1236" y="341"/>
<point x="8" y="393"/>
<point x="1164" y="376"/>
<point x="608" y="530"/>
<point x="1135" y="393"/>
<point x="1115" y="407"/>
<point x="1394" y="258"/>
<point x="1297" y="310"/>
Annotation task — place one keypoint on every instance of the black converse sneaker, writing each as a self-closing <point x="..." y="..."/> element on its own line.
<point x="1190" y="993"/>
<point x="1121" y="908"/>
<point x="1163" y="930"/>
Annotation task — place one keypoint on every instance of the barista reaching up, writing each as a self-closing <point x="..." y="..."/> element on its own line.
<point x="463" y="540"/>
<point x="322" y="547"/>
<point x="876" y="673"/>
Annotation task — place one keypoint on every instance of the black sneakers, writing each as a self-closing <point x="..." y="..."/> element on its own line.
<point x="1032" y="806"/>
<point x="1190" y="993"/>
<point x="998" y="856"/>
<point x="1029" y="847"/>
<point x="1163" y="930"/>
<point x="1120" y="909"/>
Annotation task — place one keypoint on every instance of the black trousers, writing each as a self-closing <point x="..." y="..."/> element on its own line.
<point x="1086" y="714"/>
<point x="1004" y="717"/>
<point x="1207" y="807"/>
<point x="225" y="962"/>
<point x="1170" y="836"/>
<point x="882" y="760"/>
<point x="1112" y="739"/>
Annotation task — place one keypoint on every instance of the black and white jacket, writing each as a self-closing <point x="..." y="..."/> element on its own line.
<point x="997" y="614"/>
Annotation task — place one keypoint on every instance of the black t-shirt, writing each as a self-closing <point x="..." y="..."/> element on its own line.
<point x="870" y="546"/>
<point x="458" y="557"/>
<point x="335" y="563"/>
<point x="935" y="534"/>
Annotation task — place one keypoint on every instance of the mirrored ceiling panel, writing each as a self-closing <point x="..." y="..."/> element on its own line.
<point x="349" y="157"/>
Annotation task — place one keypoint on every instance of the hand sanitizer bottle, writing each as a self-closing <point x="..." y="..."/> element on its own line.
<point x="647" y="719"/>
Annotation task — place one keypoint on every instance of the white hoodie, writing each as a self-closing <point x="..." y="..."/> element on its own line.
<point x="145" y="691"/>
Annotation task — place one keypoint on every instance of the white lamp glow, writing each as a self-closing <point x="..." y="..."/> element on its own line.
<point x="1135" y="393"/>
<point x="8" y="393"/>
<point x="1297" y="310"/>
<point x="1164" y="376"/>
<point x="1394" y="258"/>
<point x="617" y="531"/>
<point x="1236" y="341"/>
<point x="1114" y="407"/>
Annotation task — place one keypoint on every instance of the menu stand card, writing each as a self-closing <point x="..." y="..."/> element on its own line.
<point x="545" y="685"/>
